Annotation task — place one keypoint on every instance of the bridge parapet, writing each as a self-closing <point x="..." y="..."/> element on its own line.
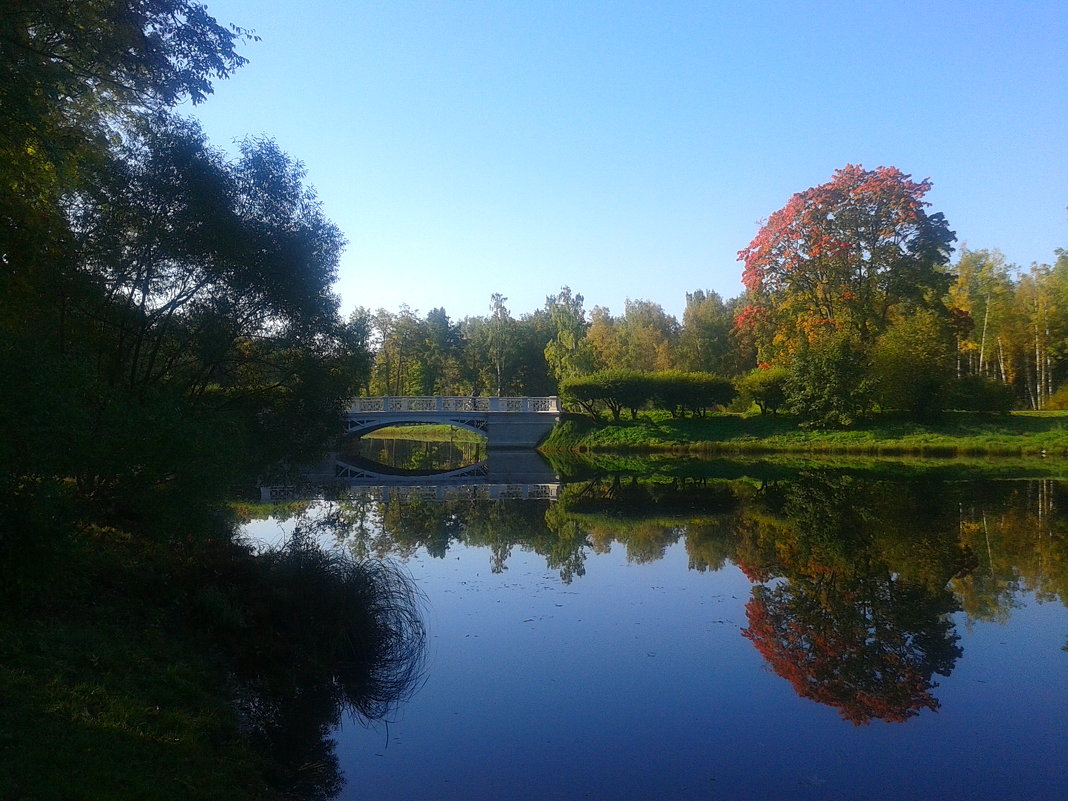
<point x="459" y="403"/>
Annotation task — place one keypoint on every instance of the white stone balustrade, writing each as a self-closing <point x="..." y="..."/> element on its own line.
<point x="429" y="403"/>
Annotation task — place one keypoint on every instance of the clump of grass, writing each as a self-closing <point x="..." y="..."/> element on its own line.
<point x="314" y="634"/>
<point x="357" y="623"/>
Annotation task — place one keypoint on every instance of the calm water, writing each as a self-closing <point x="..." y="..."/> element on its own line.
<point x="822" y="636"/>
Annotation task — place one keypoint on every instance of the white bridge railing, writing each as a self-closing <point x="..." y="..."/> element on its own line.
<point x="392" y="403"/>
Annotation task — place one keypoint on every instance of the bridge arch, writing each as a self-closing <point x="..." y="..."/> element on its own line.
<point x="363" y="470"/>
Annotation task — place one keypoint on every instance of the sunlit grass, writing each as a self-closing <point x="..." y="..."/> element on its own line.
<point x="955" y="434"/>
<point x="428" y="433"/>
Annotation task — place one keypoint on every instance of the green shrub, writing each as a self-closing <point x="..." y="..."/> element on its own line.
<point x="1059" y="399"/>
<point x="614" y="390"/>
<point x="912" y="365"/>
<point x="828" y="384"/>
<point x="677" y="392"/>
<point x="764" y="386"/>
<point x="672" y="390"/>
<point x="976" y="393"/>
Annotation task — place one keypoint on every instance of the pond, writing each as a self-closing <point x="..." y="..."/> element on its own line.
<point x="806" y="634"/>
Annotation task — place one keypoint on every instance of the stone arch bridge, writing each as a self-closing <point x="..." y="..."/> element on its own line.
<point x="506" y="422"/>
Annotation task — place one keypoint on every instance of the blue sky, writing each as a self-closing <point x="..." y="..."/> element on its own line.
<point x="630" y="149"/>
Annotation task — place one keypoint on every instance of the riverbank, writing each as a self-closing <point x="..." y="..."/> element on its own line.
<point x="110" y="688"/>
<point x="180" y="662"/>
<point x="1021" y="434"/>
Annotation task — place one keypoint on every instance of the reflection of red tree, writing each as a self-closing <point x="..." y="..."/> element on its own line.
<point x="756" y="574"/>
<point x="847" y="658"/>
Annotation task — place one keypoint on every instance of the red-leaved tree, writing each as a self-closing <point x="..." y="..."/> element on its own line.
<point x="845" y="255"/>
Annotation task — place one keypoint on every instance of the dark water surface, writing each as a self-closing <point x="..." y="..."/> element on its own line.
<point x="826" y="636"/>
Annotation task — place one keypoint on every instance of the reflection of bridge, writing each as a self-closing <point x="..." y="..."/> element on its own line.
<point x="459" y="492"/>
<point x="506" y="422"/>
<point x="353" y="470"/>
<point x="505" y="474"/>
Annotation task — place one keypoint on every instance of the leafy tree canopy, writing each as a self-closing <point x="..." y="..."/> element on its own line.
<point x="68" y="70"/>
<point x="845" y="254"/>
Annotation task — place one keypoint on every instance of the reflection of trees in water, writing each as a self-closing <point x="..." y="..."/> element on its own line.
<point x="645" y="517"/>
<point x="314" y="635"/>
<point x="861" y="575"/>
<point x="405" y="454"/>
<point x="871" y="570"/>
<point x="861" y="622"/>
<point x="709" y="544"/>
<point x="401" y="527"/>
<point x="868" y="645"/>
<point x="988" y="540"/>
<point x="1020" y="544"/>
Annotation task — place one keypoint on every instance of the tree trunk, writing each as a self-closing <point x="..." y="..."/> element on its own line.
<point x="982" y="341"/>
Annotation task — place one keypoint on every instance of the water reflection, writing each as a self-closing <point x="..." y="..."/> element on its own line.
<point x="867" y="644"/>
<point x="856" y="579"/>
<point x="856" y="621"/>
<point x="416" y="455"/>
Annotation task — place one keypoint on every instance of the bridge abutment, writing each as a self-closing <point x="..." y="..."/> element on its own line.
<point x="517" y="430"/>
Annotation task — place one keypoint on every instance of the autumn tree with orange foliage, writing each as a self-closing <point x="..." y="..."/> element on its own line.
<point x="845" y="256"/>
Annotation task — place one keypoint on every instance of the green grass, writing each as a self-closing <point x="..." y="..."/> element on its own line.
<point x="428" y="433"/>
<point x="108" y="692"/>
<point x="189" y="666"/>
<point x="955" y="434"/>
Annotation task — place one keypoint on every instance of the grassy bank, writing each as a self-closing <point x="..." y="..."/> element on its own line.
<point x="190" y="666"/>
<point x="1032" y="434"/>
<point x="428" y="433"/>
<point x="109" y="689"/>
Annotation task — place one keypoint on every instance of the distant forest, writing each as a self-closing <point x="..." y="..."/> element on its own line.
<point x="991" y="320"/>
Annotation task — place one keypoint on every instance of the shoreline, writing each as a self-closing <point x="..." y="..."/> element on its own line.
<point x="1035" y="435"/>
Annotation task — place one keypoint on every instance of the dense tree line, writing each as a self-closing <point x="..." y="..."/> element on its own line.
<point x="167" y="314"/>
<point x="851" y="305"/>
<point x="531" y="354"/>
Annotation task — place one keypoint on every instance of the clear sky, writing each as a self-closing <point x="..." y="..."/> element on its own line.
<point x="630" y="149"/>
